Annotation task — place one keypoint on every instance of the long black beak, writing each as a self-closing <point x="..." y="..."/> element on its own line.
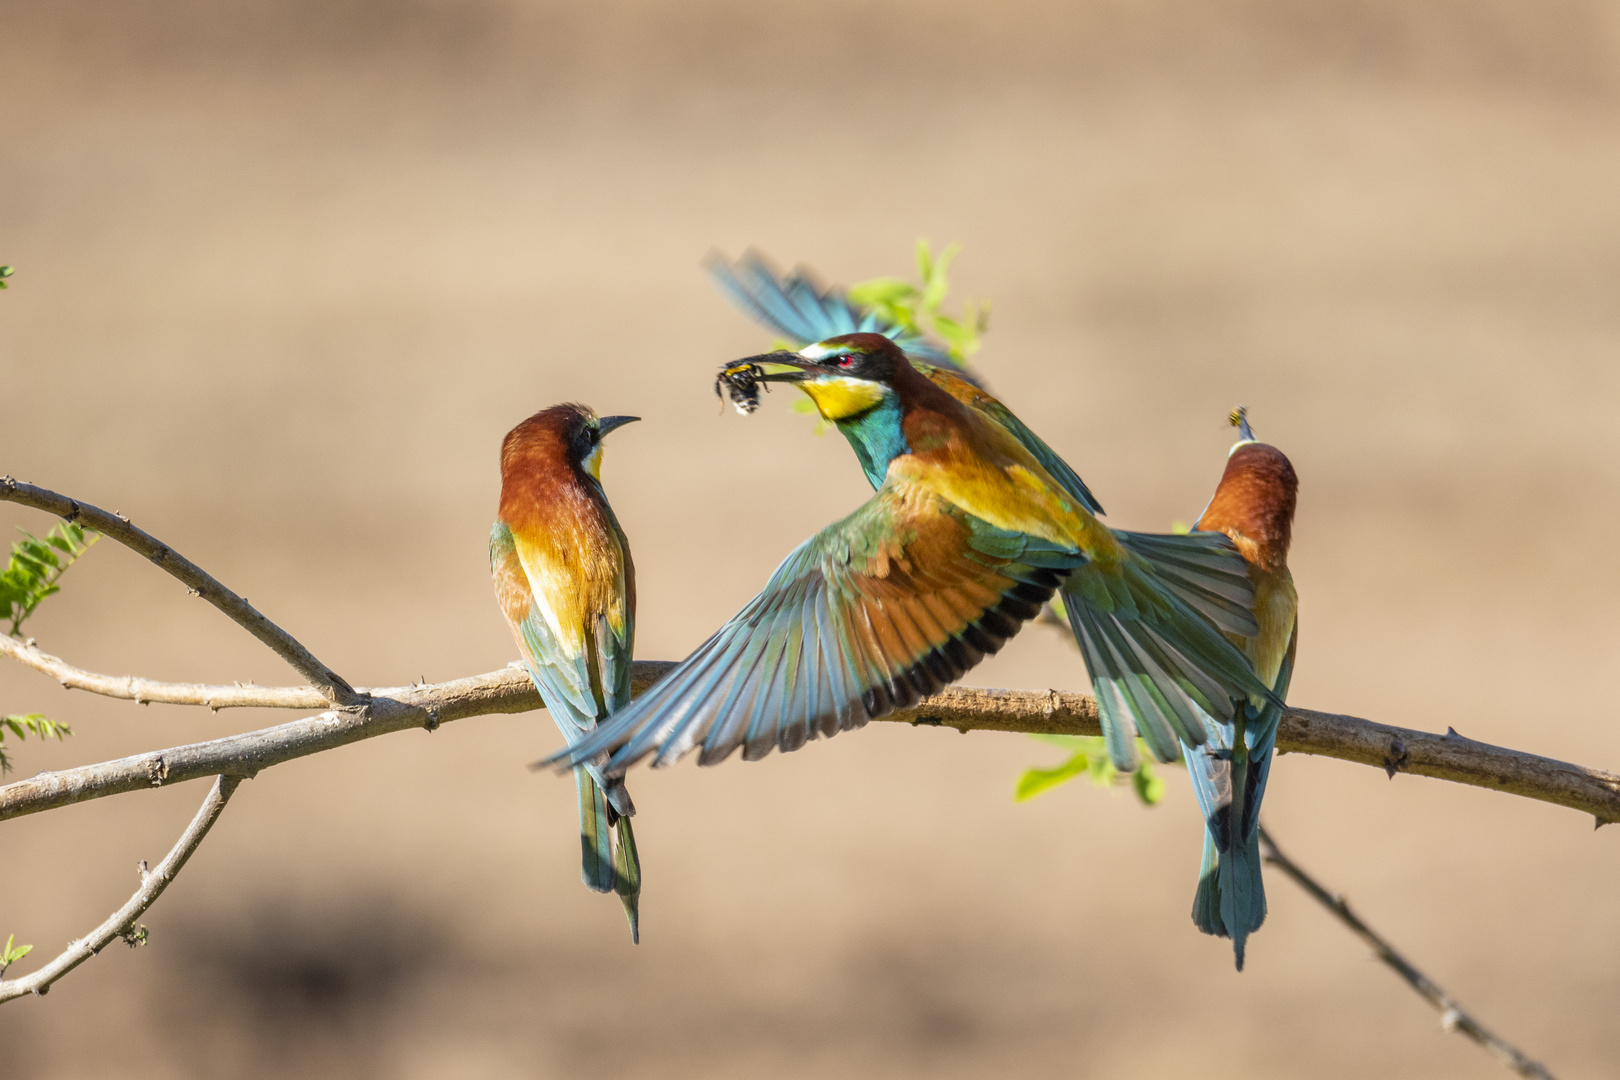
<point x="608" y="423"/>
<point x="789" y="359"/>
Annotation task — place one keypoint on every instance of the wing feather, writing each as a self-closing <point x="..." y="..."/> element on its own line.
<point x="866" y="617"/>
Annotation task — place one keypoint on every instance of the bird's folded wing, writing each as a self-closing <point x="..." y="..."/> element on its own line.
<point x="953" y="382"/>
<point x="562" y="677"/>
<point x="803" y="311"/>
<point x="1261" y="735"/>
<point x="1210" y="766"/>
<point x="867" y="616"/>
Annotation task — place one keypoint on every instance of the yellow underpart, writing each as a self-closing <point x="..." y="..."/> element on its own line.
<point x="838" y="397"/>
<point x="1275" y="608"/>
<point x="572" y="583"/>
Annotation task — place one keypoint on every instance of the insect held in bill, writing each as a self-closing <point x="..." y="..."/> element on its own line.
<point x="742" y="383"/>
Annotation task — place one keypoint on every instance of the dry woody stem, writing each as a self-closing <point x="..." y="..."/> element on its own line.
<point x="1452" y="1015"/>
<point x="193" y="576"/>
<point x="1445" y="757"/>
<point x="121" y="923"/>
<point x="348" y="715"/>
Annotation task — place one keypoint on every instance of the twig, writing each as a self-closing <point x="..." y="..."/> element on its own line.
<point x="122" y="921"/>
<point x="241" y="612"/>
<point x="1452" y="1015"/>
<point x="146" y="691"/>
<point x="1445" y="757"/>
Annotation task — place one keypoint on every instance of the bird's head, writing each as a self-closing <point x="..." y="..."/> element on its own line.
<point x="571" y="432"/>
<point x="845" y="375"/>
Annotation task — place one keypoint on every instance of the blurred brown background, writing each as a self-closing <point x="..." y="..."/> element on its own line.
<point x="288" y="271"/>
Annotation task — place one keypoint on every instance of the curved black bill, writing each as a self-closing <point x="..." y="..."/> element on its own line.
<point x="609" y="423"/>
<point x="783" y="357"/>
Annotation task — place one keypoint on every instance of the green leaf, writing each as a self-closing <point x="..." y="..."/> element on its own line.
<point x="1070" y="742"/>
<point x="22" y="726"/>
<point x="882" y="290"/>
<point x="935" y="284"/>
<point x="13" y="952"/>
<point x="1035" y="781"/>
<point x="925" y="261"/>
<point x="1148" y="783"/>
<point x="35" y="566"/>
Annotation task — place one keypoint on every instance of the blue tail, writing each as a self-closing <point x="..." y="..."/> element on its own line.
<point x="1229" y="775"/>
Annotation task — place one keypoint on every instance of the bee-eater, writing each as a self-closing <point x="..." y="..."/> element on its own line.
<point x="1155" y="664"/>
<point x="1254" y="505"/>
<point x="967" y="535"/>
<point x="567" y="587"/>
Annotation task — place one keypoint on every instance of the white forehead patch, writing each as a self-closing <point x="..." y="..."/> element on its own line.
<point x="817" y="351"/>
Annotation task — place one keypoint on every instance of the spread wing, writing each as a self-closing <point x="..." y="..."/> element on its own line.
<point x="867" y="616"/>
<point x="803" y="311"/>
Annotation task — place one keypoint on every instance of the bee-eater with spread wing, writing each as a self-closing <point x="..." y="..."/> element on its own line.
<point x="967" y="535"/>
<point x="1155" y="663"/>
<point x="567" y="587"/>
<point x="1254" y="505"/>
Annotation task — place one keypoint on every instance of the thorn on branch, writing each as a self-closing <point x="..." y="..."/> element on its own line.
<point x="1452" y="1016"/>
<point x="1396" y="759"/>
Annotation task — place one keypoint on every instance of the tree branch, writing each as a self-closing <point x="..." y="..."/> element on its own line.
<point x="146" y="691"/>
<point x="1452" y="1016"/>
<point x="1445" y="757"/>
<point x="241" y="612"/>
<point x="122" y="921"/>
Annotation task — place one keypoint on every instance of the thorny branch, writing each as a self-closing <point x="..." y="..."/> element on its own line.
<point x="1452" y="1015"/>
<point x="121" y="923"/>
<point x="145" y="691"/>
<point x="1445" y="757"/>
<point x="193" y="576"/>
<point x="364" y="714"/>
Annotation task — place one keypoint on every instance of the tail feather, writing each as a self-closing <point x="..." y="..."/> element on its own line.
<point x="1231" y="897"/>
<point x="1206" y="910"/>
<point x="1242" y="894"/>
<point x="595" y="834"/>
<point x="627" y="872"/>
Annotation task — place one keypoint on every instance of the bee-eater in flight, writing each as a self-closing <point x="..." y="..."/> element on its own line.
<point x="567" y="587"/>
<point x="1145" y="610"/>
<point x="1254" y="505"/>
<point x="967" y="535"/>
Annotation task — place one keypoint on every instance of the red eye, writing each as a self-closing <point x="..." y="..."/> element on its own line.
<point x="846" y="361"/>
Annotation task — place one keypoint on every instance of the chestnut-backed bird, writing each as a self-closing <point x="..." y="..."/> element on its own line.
<point x="567" y="587"/>
<point x="1254" y="506"/>
<point x="1145" y="609"/>
<point x="966" y="536"/>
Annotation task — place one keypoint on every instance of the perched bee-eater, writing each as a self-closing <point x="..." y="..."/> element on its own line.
<point x="567" y="587"/>
<point x="1146" y="608"/>
<point x="1254" y="505"/>
<point x="967" y="535"/>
